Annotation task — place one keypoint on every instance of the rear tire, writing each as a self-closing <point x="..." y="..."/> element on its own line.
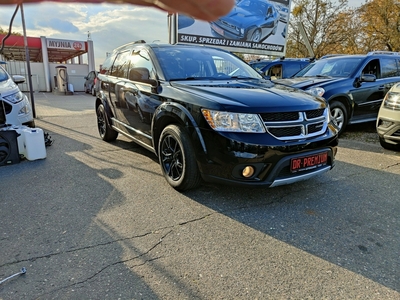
<point x="177" y="159"/>
<point x="106" y="132"/>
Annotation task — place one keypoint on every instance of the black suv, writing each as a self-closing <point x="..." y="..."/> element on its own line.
<point x="281" y="67"/>
<point x="354" y="85"/>
<point x="208" y="115"/>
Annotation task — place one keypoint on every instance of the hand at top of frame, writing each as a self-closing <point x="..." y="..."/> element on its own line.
<point x="206" y="10"/>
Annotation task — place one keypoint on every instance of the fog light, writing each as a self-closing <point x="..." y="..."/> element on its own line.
<point x="386" y="124"/>
<point x="248" y="171"/>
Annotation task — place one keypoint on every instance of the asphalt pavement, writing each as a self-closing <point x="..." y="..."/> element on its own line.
<point x="97" y="220"/>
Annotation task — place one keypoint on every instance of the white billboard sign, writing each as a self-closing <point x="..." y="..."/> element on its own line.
<point x="252" y="26"/>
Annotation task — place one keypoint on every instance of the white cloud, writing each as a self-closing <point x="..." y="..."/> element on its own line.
<point x="109" y="25"/>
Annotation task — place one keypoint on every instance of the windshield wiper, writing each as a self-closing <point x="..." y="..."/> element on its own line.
<point x="242" y="77"/>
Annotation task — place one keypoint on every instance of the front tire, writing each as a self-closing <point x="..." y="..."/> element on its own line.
<point x="177" y="159"/>
<point x="256" y="36"/>
<point x="339" y="114"/>
<point x="106" y="132"/>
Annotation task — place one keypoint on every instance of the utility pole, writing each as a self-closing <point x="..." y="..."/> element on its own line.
<point x="28" y="62"/>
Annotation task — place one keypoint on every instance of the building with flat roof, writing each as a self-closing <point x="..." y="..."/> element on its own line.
<point x="46" y="55"/>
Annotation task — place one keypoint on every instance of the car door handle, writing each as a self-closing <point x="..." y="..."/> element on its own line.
<point x="381" y="87"/>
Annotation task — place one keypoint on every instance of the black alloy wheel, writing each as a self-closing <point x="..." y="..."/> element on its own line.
<point x="106" y="132"/>
<point x="177" y="159"/>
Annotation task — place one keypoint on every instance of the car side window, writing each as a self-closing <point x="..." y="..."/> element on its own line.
<point x="275" y="71"/>
<point x="141" y="66"/>
<point x="106" y="66"/>
<point x="389" y="67"/>
<point x="373" y="68"/>
<point x="121" y="65"/>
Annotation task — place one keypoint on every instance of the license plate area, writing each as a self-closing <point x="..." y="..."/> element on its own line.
<point x="308" y="162"/>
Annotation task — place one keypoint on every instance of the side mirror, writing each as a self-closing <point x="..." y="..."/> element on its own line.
<point x="18" y="79"/>
<point x="368" y="78"/>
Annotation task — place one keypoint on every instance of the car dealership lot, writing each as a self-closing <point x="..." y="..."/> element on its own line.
<point x="96" y="220"/>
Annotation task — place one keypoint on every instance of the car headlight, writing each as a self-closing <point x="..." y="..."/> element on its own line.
<point x="316" y="91"/>
<point x="15" y="98"/>
<point x="233" y="122"/>
<point x="392" y="101"/>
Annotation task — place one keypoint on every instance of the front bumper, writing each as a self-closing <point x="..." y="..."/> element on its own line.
<point x="388" y="126"/>
<point x="21" y="113"/>
<point x="226" y="159"/>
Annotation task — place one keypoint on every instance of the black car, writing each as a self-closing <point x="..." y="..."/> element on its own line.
<point x="281" y="67"/>
<point x="249" y="20"/>
<point x="354" y="85"/>
<point x="182" y="103"/>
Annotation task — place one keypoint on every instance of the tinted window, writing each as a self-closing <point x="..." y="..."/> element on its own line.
<point x="121" y="65"/>
<point x="389" y="67"/>
<point x="373" y="68"/>
<point x="106" y="66"/>
<point x="141" y="59"/>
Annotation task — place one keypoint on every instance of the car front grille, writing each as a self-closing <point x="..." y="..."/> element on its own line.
<point x="296" y="125"/>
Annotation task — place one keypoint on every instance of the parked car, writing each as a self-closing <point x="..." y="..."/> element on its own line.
<point x="90" y="83"/>
<point x="179" y="102"/>
<point x="354" y="85"/>
<point x="15" y="108"/>
<point x="388" y="122"/>
<point x="249" y="20"/>
<point x="258" y="64"/>
<point x="281" y="67"/>
<point x="283" y="12"/>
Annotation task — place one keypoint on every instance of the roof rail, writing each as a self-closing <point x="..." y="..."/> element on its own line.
<point x="383" y="52"/>
<point x="331" y="55"/>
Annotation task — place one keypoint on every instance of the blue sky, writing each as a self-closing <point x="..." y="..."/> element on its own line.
<point x="109" y="25"/>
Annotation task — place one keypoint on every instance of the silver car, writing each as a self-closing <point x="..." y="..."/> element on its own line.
<point x="15" y="108"/>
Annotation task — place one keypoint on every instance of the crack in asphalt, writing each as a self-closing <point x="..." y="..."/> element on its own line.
<point x="114" y="264"/>
<point x="73" y="250"/>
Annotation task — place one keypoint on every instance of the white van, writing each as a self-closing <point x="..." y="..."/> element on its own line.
<point x="15" y="108"/>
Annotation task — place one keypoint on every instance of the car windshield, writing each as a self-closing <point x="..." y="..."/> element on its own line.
<point x="3" y="75"/>
<point x="332" y="67"/>
<point x="191" y="63"/>
<point x="257" y="7"/>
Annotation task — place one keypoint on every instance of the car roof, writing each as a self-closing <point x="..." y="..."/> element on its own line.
<point x="369" y="54"/>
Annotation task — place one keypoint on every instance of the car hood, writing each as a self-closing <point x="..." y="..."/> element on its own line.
<point x="306" y="82"/>
<point x="248" y="95"/>
<point x="240" y="17"/>
<point x="8" y="87"/>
